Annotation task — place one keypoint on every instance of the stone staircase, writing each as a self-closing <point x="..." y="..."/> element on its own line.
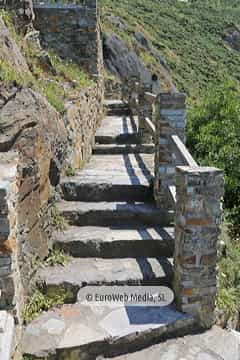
<point x="116" y="236"/>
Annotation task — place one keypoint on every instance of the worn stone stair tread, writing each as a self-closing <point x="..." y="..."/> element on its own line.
<point x="111" y="178"/>
<point x="110" y="149"/>
<point x="113" y="213"/>
<point x="115" y="241"/>
<point x="112" y="103"/>
<point x="89" y="330"/>
<point x="116" y="107"/>
<point x="79" y="272"/>
<point x="121" y="129"/>
<point x="205" y="345"/>
<point x="130" y="169"/>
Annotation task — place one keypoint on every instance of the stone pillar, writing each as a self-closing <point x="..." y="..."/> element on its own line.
<point x="197" y="227"/>
<point x="170" y="120"/>
<point x="144" y="110"/>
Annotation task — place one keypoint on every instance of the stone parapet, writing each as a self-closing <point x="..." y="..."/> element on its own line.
<point x="197" y="226"/>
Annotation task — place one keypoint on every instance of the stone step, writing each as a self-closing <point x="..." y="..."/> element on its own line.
<point x="116" y="241"/>
<point x="120" y="111"/>
<point x="121" y="139"/>
<point x="79" y="272"/>
<point x="110" y="189"/>
<point x="87" y="332"/>
<point x="203" y="345"/>
<point x="116" y="107"/>
<point x="114" y="103"/>
<point x="113" y="213"/>
<point x="111" y="178"/>
<point x="118" y="129"/>
<point x="111" y="149"/>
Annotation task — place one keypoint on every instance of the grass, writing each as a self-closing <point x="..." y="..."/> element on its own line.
<point x="9" y="75"/>
<point x="189" y="36"/>
<point x="6" y="16"/>
<point x="57" y="87"/>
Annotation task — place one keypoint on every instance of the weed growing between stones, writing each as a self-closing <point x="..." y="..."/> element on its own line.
<point x="39" y="302"/>
<point x="70" y="171"/>
<point x="57" y="257"/>
<point x="58" y="221"/>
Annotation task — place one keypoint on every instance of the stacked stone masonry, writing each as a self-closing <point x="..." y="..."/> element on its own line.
<point x="171" y="120"/>
<point x="36" y="145"/>
<point x="196" y="199"/>
<point x="71" y="30"/>
<point x="197" y="227"/>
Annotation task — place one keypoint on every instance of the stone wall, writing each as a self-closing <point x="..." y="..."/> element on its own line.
<point x="43" y="145"/>
<point x="82" y="119"/>
<point x="36" y="146"/>
<point x="71" y="30"/>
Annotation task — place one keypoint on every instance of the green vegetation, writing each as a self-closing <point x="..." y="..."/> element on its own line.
<point x="40" y="302"/>
<point x="6" y="16"/>
<point x="43" y="300"/>
<point x="70" y="171"/>
<point x="9" y="75"/>
<point x="56" y="79"/>
<point x="57" y="257"/>
<point x="189" y="35"/>
<point x="58" y="220"/>
<point x="214" y="138"/>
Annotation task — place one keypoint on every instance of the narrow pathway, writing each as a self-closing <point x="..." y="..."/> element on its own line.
<point x="116" y="236"/>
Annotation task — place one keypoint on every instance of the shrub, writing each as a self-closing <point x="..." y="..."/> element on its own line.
<point x="213" y="134"/>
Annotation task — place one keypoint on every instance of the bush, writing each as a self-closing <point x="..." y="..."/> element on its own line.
<point x="213" y="134"/>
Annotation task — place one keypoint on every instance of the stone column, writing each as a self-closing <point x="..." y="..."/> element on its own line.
<point x="197" y="227"/>
<point x="170" y="120"/>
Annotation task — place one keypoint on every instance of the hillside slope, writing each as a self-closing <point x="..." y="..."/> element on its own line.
<point x="196" y="38"/>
